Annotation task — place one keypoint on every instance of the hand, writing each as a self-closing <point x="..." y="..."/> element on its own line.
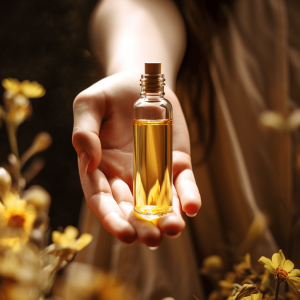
<point x="103" y="139"/>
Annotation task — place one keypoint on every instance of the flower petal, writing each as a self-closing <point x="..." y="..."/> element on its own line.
<point x="295" y="281"/>
<point x="294" y="277"/>
<point x="56" y="237"/>
<point x="294" y="273"/>
<point x="282" y="257"/>
<point x="83" y="241"/>
<point x="265" y="261"/>
<point x="288" y="266"/>
<point x="71" y="232"/>
<point x="32" y="89"/>
<point x="276" y="260"/>
<point x="294" y="286"/>
<point x="12" y="85"/>
<point x="270" y="269"/>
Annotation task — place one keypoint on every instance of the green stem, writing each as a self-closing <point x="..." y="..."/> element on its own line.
<point x="277" y="288"/>
<point x="13" y="139"/>
<point x="12" y="136"/>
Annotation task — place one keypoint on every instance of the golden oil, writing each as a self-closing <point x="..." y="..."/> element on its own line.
<point x="152" y="167"/>
<point x="152" y="149"/>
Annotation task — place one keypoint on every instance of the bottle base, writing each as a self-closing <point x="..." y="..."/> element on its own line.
<point x="151" y="212"/>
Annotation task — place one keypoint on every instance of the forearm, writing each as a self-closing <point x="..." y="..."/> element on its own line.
<point x="127" y="33"/>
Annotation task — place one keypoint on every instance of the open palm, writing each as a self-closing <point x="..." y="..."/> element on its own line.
<point x="103" y="139"/>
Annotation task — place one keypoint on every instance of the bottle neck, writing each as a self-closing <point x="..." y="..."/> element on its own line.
<point x="152" y="85"/>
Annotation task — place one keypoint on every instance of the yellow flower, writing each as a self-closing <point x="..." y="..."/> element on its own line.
<point x="17" y="218"/>
<point x="67" y="239"/>
<point x="27" y="88"/>
<point x="18" y="213"/>
<point x="66" y="244"/>
<point x="282" y="269"/>
<point x="16" y="99"/>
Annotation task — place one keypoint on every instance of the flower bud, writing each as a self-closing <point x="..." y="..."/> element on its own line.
<point x="212" y="264"/>
<point x="38" y="197"/>
<point x="19" y="109"/>
<point x="40" y="143"/>
<point x="5" y="181"/>
<point x="246" y="291"/>
<point x="294" y="120"/>
<point x="272" y="120"/>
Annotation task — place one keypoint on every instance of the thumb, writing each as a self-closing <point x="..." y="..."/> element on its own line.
<point x="88" y="147"/>
<point x="85" y="138"/>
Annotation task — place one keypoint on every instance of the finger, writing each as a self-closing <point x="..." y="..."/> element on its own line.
<point x="147" y="233"/>
<point x="100" y="200"/>
<point x="173" y="223"/>
<point x="185" y="183"/>
<point x="89" y="109"/>
<point x="122" y="195"/>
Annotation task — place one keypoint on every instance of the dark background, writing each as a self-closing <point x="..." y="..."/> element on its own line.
<point x="47" y="41"/>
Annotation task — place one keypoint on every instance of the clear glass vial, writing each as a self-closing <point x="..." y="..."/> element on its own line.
<point x="152" y="146"/>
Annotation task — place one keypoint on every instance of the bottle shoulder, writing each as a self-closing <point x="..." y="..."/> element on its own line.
<point x="152" y="109"/>
<point x="144" y="101"/>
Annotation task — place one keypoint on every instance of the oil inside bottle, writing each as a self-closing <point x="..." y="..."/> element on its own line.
<point x="152" y="167"/>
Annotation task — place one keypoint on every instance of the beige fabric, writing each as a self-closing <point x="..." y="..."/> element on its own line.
<point x="249" y="176"/>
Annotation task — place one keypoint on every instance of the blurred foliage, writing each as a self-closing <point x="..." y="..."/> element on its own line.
<point x="47" y="41"/>
<point x="27" y="266"/>
<point x="251" y="283"/>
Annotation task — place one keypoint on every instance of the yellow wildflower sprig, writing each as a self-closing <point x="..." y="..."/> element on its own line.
<point x="17" y="109"/>
<point x="17" y="218"/>
<point x="66" y="245"/>
<point x="24" y="214"/>
<point x="26" y="88"/>
<point x="283" y="270"/>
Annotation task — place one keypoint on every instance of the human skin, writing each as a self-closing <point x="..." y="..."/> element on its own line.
<point x="124" y="35"/>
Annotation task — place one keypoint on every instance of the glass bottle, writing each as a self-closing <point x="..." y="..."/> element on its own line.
<point x="152" y="146"/>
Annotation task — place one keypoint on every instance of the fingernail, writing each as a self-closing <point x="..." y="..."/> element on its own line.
<point x="191" y="215"/>
<point x="126" y="244"/>
<point x="84" y="161"/>
<point x="153" y="248"/>
<point x="174" y="236"/>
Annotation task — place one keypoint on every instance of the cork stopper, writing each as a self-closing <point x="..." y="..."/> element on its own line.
<point x="153" y="68"/>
